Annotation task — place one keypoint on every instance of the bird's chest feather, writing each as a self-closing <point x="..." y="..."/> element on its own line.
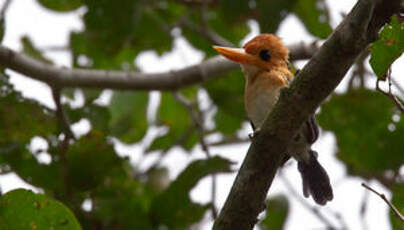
<point x="260" y="97"/>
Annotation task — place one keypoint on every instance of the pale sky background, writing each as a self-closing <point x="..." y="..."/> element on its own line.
<point x="46" y="28"/>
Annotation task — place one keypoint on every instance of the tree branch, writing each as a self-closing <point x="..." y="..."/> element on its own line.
<point x="390" y="94"/>
<point x="62" y="77"/>
<point x="312" y="85"/>
<point x="3" y="9"/>
<point x="393" y="208"/>
<point x="363" y="210"/>
<point x="61" y="115"/>
<point x="199" y="120"/>
<point x="301" y="51"/>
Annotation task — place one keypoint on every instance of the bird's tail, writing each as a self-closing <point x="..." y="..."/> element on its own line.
<point x="315" y="180"/>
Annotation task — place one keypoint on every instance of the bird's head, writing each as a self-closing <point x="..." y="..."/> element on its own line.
<point x="263" y="53"/>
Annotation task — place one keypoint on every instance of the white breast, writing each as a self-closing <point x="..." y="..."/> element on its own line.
<point x="262" y="104"/>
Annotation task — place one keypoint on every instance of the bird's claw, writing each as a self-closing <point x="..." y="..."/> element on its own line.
<point x="254" y="134"/>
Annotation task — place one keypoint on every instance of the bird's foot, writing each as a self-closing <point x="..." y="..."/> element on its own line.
<point x="254" y="134"/>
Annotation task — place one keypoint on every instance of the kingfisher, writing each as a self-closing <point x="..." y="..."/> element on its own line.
<point x="264" y="61"/>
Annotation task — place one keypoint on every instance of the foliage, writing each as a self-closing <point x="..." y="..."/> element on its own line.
<point x="276" y="213"/>
<point x="38" y="212"/>
<point x="369" y="132"/>
<point x="360" y="149"/>
<point x="123" y="124"/>
<point x="388" y="48"/>
<point x="398" y="202"/>
<point x="125" y="196"/>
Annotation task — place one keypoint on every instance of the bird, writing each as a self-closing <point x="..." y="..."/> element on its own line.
<point x="264" y="61"/>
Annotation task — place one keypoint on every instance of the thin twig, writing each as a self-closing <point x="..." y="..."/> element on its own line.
<point x="63" y="145"/>
<point x="163" y="25"/>
<point x="208" y="31"/>
<point x="61" y="115"/>
<point x="390" y="94"/>
<point x="363" y="209"/>
<point x="198" y="119"/>
<point x="204" y="29"/>
<point x="163" y="154"/>
<point x="397" y="85"/>
<point x="55" y="48"/>
<point x="381" y="195"/>
<point x="303" y="50"/>
<point x="305" y="204"/>
<point x="3" y="10"/>
<point x="208" y="34"/>
<point x="360" y="70"/>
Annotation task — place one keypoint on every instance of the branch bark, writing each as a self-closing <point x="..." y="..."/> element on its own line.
<point x="312" y="85"/>
<point x="62" y="77"/>
<point x="3" y="9"/>
<point x="384" y="198"/>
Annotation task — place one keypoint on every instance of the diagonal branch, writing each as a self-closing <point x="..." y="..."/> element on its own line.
<point x="62" y="77"/>
<point x="393" y="208"/>
<point x="198" y="119"/>
<point x="3" y="9"/>
<point x="390" y="94"/>
<point x="313" y="84"/>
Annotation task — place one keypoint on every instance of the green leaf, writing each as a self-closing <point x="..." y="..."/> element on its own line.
<point x="115" y="34"/>
<point x="195" y="38"/>
<point x="61" y="5"/>
<point x="128" y="115"/>
<point x="227" y="123"/>
<point x="107" y="21"/>
<point x="231" y="31"/>
<point x="315" y="16"/>
<point x="276" y="213"/>
<point x="89" y="51"/>
<point x="360" y="121"/>
<point x="22" y="162"/>
<point x="175" y="116"/>
<point x="170" y="11"/>
<point x="230" y="101"/>
<point x="22" y="209"/>
<point x="91" y="94"/>
<point x="398" y="201"/>
<point x="388" y="48"/>
<point x="234" y="10"/>
<point x="271" y="13"/>
<point x="122" y="203"/>
<point x="99" y="116"/>
<point x="21" y="119"/>
<point x="196" y="171"/>
<point x="150" y="32"/>
<point x="90" y="160"/>
<point x="178" y="211"/>
<point x="30" y="50"/>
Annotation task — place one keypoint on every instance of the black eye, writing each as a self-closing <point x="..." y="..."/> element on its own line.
<point x="265" y="55"/>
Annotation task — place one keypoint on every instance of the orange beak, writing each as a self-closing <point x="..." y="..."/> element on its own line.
<point x="240" y="56"/>
<point x="235" y="54"/>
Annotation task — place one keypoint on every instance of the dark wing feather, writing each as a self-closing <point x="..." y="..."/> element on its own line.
<point x="311" y="130"/>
